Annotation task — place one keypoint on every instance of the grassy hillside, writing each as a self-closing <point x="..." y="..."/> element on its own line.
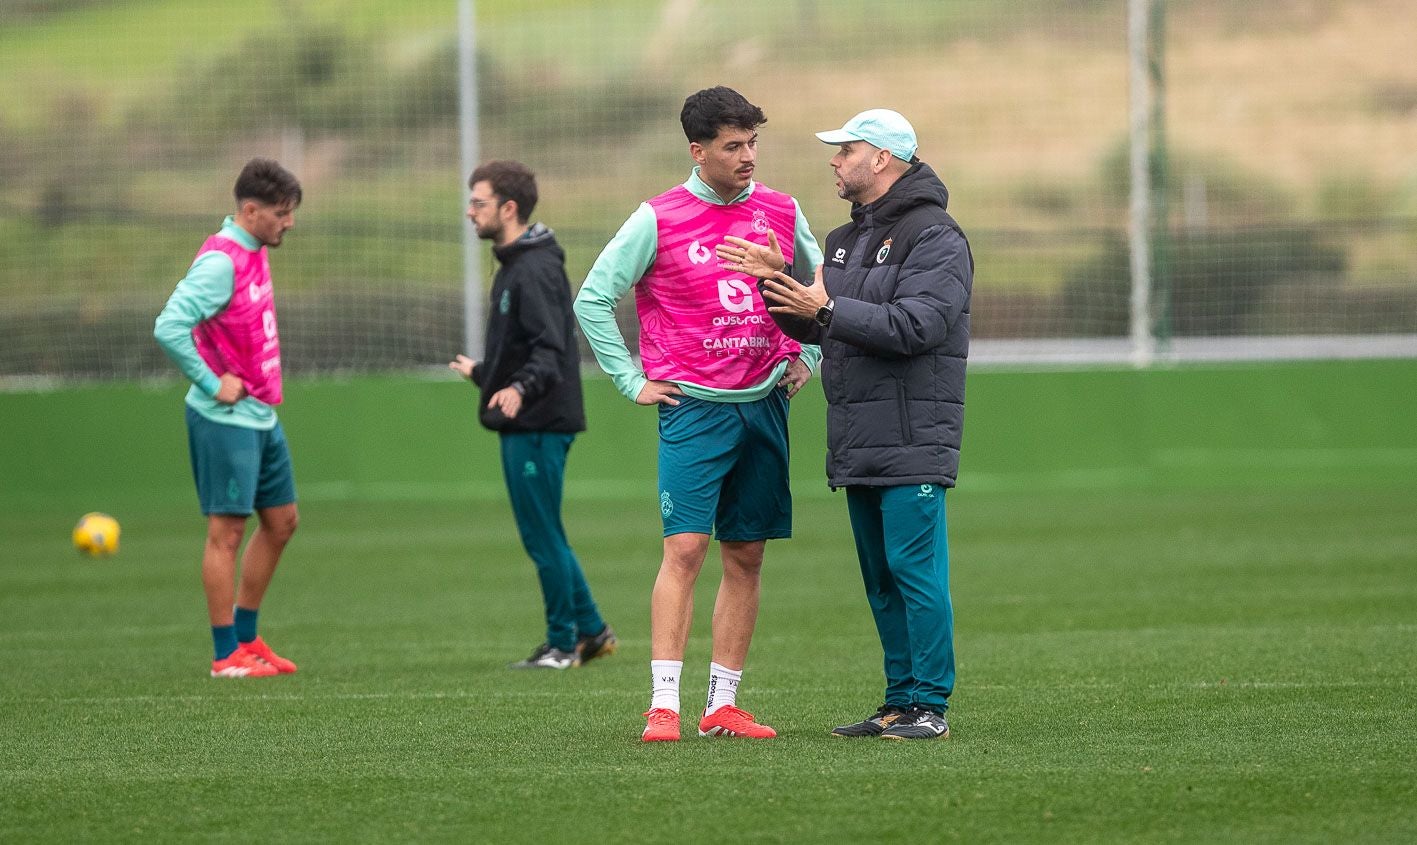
<point x="1275" y="116"/>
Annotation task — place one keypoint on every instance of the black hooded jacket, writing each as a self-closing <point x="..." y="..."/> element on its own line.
<point x="893" y="357"/>
<point x="531" y="341"/>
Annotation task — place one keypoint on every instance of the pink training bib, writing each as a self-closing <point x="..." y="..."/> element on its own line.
<point x="242" y="338"/>
<point x="699" y="323"/>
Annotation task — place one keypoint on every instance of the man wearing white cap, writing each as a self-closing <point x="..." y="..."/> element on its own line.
<point x="890" y="310"/>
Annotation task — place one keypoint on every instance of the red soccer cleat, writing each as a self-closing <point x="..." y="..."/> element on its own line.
<point x="663" y="726"/>
<point x="242" y="664"/>
<point x="257" y="648"/>
<point x="730" y="721"/>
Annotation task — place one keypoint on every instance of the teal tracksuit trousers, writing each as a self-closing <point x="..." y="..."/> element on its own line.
<point x="534" y="465"/>
<point x="905" y="565"/>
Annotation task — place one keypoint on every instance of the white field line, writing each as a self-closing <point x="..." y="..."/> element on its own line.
<point x="522" y="694"/>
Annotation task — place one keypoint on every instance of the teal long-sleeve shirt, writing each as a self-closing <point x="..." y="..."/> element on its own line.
<point x="622" y="264"/>
<point x="201" y="295"/>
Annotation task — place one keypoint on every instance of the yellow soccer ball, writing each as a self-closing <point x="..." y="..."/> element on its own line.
<point x="96" y="535"/>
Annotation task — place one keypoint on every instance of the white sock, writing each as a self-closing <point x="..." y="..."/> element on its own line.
<point x="666" y="684"/>
<point x="723" y="686"/>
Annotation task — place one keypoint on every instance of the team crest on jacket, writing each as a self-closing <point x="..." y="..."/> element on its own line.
<point x="883" y="251"/>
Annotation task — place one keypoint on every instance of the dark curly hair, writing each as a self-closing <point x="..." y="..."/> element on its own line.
<point x="264" y="180"/>
<point x="708" y="111"/>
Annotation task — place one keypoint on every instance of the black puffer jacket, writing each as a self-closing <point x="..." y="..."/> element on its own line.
<point x="893" y="358"/>
<point x="531" y="338"/>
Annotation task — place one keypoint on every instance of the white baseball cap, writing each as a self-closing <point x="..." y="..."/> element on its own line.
<point x="882" y="128"/>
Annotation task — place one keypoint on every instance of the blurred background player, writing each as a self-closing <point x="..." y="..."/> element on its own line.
<point x="530" y="385"/>
<point x="721" y="372"/>
<point x="219" y="327"/>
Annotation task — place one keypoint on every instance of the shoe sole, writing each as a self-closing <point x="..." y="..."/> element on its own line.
<point x="945" y="735"/>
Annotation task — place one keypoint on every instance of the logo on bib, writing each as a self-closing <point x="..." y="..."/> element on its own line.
<point x="883" y="251"/>
<point x="735" y="295"/>
<point x="699" y="254"/>
<point x="760" y="222"/>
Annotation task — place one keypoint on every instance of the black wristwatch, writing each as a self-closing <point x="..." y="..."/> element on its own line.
<point x="824" y="314"/>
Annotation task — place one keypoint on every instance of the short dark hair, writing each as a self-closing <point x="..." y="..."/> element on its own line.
<point x="706" y="112"/>
<point x="510" y="180"/>
<point x="264" y="180"/>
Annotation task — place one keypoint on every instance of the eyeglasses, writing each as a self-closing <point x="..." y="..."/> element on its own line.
<point x="482" y="203"/>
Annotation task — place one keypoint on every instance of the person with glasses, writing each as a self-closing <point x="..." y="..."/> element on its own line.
<point x="530" y="394"/>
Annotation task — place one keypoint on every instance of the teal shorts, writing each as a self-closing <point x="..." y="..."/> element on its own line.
<point x="723" y="468"/>
<point x="237" y="469"/>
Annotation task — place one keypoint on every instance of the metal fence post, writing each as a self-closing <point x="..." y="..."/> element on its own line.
<point x="473" y="316"/>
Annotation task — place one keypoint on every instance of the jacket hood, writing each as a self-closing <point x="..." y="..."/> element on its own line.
<point x="917" y="186"/>
<point x="539" y="236"/>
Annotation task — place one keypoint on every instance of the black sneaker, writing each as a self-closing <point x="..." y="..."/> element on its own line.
<point x="600" y="645"/>
<point x="546" y="657"/>
<point x="918" y="724"/>
<point x="874" y="724"/>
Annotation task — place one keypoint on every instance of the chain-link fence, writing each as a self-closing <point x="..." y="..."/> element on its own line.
<point x="1289" y="196"/>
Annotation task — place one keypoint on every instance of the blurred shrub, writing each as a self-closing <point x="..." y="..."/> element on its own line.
<point x="316" y="77"/>
<point x="30" y="11"/>
<point x="1354" y="197"/>
<point x="326" y="81"/>
<point x="1213" y="274"/>
<point x="1211" y="281"/>
<point x="1231" y="191"/>
<point x="74" y="167"/>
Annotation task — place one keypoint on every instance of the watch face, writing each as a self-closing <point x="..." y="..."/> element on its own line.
<point x="824" y="315"/>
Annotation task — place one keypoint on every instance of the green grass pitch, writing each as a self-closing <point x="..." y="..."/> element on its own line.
<point x="1138" y="663"/>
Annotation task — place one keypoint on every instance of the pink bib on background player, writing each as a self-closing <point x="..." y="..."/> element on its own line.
<point x="242" y="338"/>
<point x="702" y="324"/>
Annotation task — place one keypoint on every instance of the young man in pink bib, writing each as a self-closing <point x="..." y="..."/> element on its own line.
<point x="720" y="371"/>
<point x="219" y="328"/>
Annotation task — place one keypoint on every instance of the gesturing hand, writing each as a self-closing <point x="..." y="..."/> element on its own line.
<point x="743" y="256"/>
<point x="463" y="365"/>
<point x="785" y="295"/>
